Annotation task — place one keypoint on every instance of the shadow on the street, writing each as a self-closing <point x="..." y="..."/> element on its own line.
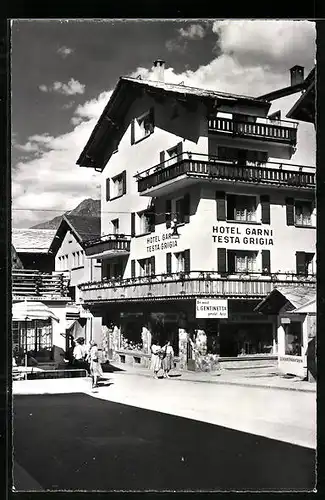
<point x="110" y="368"/>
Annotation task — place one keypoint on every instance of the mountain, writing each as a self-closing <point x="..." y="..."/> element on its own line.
<point x="88" y="207"/>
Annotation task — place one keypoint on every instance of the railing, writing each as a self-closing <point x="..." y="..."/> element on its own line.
<point x="109" y="242"/>
<point x="187" y="285"/>
<point x="210" y="166"/>
<point x="29" y="283"/>
<point x="263" y="128"/>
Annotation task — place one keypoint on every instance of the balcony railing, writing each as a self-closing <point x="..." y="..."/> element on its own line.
<point x="211" y="167"/>
<point x="28" y="283"/>
<point x="109" y="243"/>
<point x="265" y="129"/>
<point x="190" y="285"/>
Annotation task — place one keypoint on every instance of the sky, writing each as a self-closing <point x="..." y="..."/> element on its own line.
<point x="63" y="73"/>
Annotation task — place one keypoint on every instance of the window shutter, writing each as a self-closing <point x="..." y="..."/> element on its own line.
<point x="132" y="224"/>
<point x="152" y="118"/>
<point x="162" y="156"/>
<point x="186" y="207"/>
<point x="231" y="204"/>
<point x="152" y="219"/>
<point x="187" y="261"/>
<point x="132" y="268"/>
<point x="107" y="189"/>
<point x="221" y="205"/>
<point x="290" y="211"/>
<point x="266" y="261"/>
<point x="132" y="132"/>
<point x="179" y="148"/>
<point x="124" y="181"/>
<point x="153" y="267"/>
<point x="222" y="260"/>
<point x="301" y="263"/>
<point x="231" y="257"/>
<point x="168" y="215"/>
<point x="168" y="263"/>
<point x="265" y="204"/>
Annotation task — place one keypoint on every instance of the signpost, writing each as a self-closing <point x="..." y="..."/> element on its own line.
<point x="212" y="308"/>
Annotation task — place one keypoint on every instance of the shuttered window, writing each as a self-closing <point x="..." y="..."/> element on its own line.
<point x="133" y="268"/>
<point x="162" y="156"/>
<point x="187" y="261"/>
<point x="266" y="261"/>
<point x="132" y="224"/>
<point x="168" y="263"/>
<point x="221" y="205"/>
<point x="265" y="205"/>
<point x="168" y="215"/>
<point x="290" y="209"/>
<point x="124" y="181"/>
<point x="222" y="260"/>
<point x="152" y="266"/>
<point x="301" y="263"/>
<point x="186" y="207"/>
<point x="107" y="189"/>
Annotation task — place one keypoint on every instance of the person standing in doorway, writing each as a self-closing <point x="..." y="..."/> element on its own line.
<point x="95" y="367"/>
<point x="155" y="358"/>
<point x="168" y="360"/>
<point x="80" y="354"/>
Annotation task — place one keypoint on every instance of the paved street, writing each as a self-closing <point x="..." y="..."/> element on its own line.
<point x="140" y="433"/>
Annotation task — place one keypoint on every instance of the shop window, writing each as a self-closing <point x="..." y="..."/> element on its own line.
<point x="146" y="222"/>
<point x="116" y="226"/>
<point x="147" y="266"/>
<point x="293" y="338"/>
<point x="303" y="213"/>
<point x="39" y="336"/>
<point x="241" y="261"/>
<point x="241" y="208"/>
<point x="118" y="185"/>
<point x="305" y="263"/>
<point x="142" y="127"/>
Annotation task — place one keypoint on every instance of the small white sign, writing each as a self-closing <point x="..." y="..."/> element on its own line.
<point x="211" y="308"/>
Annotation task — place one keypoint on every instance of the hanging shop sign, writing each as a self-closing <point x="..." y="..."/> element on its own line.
<point x="211" y="308"/>
<point x="243" y="235"/>
<point x="163" y="241"/>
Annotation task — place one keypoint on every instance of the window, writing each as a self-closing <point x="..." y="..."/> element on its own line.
<point x="119" y="185"/>
<point x="241" y="261"/>
<point x="182" y="209"/>
<point x="182" y="261"/>
<point x="115" y="224"/>
<point x="114" y="270"/>
<point x="142" y="127"/>
<point x="293" y="338"/>
<point x="242" y="156"/>
<point x="147" y="266"/>
<point x="305" y="263"/>
<point x="241" y="208"/>
<point x="146" y="222"/>
<point x="303" y="213"/>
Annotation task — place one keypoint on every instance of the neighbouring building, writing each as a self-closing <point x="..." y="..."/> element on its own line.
<point x="67" y="247"/>
<point x="240" y="183"/>
<point x="32" y="248"/>
<point x="16" y="263"/>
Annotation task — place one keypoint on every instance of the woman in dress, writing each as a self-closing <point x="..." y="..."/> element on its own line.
<point x="168" y="360"/>
<point x="155" y="358"/>
<point x="95" y="367"/>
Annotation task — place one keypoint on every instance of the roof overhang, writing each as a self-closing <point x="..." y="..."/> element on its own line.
<point x="304" y="109"/>
<point x="273" y="303"/>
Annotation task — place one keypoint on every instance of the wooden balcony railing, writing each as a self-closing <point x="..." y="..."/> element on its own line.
<point x="276" y="131"/>
<point x="111" y="243"/>
<point x="191" y="285"/>
<point x="27" y="283"/>
<point x="211" y="167"/>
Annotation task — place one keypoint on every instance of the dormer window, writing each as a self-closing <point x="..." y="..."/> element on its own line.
<point x="142" y="126"/>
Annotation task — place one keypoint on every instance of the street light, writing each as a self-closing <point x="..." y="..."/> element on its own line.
<point x="174" y="233"/>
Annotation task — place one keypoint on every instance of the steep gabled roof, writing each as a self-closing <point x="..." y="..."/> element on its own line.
<point x="110" y="127"/>
<point x="32" y="240"/>
<point x="294" y="297"/>
<point x="82" y="227"/>
<point x="291" y="89"/>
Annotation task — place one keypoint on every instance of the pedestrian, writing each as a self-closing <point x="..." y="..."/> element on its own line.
<point x="168" y="359"/>
<point x="95" y="367"/>
<point x="155" y="358"/>
<point x="80" y="354"/>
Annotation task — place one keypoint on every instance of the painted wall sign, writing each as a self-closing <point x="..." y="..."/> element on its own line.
<point x="242" y="235"/>
<point x="211" y="308"/>
<point x="291" y="358"/>
<point x="162" y="241"/>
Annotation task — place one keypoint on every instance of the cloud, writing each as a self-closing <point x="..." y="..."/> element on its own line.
<point x="64" y="51"/>
<point x="73" y="87"/>
<point x="192" y="32"/>
<point x="189" y="33"/>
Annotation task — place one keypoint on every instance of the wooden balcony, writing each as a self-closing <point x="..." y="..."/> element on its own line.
<point x="189" y="167"/>
<point x="108" y="245"/>
<point x="283" y="132"/>
<point x="37" y="285"/>
<point x="185" y="286"/>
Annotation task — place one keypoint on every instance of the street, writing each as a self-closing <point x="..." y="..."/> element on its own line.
<point x="139" y="433"/>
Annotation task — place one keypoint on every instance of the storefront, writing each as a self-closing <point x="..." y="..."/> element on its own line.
<point x="32" y="337"/>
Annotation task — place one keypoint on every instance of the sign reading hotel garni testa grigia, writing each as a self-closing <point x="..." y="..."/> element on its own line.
<point x="245" y="235"/>
<point x="211" y="308"/>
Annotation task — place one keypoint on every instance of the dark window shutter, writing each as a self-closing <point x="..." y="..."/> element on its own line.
<point x="222" y="260"/>
<point x="152" y="264"/>
<point x="301" y="263"/>
<point x="152" y="219"/>
<point x="221" y="205"/>
<point x="168" y="214"/>
<point x="124" y="181"/>
<point x="231" y="262"/>
<point x="186" y="207"/>
<point x="152" y="118"/>
<point x="132" y="133"/>
<point x="266" y="261"/>
<point x="107" y="189"/>
<point x="187" y="261"/>
<point x="179" y="148"/>
<point x="132" y="268"/>
<point x="162" y="156"/>
<point x="231" y="204"/>
<point x="290" y="211"/>
<point x="132" y="224"/>
<point x="265" y="204"/>
<point x="168" y="263"/>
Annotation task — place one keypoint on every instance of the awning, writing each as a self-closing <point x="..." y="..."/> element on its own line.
<point x="30" y="311"/>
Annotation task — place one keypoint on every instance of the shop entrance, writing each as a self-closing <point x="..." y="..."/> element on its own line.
<point x="165" y="327"/>
<point x="245" y="339"/>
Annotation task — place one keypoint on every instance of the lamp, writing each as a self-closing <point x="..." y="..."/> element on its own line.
<point x="175" y="233"/>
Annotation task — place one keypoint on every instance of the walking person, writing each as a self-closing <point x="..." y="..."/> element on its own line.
<point x="168" y="360"/>
<point x="95" y="367"/>
<point x="155" y="358"/>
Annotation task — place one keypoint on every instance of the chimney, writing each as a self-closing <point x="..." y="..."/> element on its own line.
<point x="159" y="70"/>
<point x="297" y="75"/>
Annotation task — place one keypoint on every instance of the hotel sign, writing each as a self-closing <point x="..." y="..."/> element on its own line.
<point x="245" y="235"/>
<point x="212" y="308"/>
<point x="163" y="241"/>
